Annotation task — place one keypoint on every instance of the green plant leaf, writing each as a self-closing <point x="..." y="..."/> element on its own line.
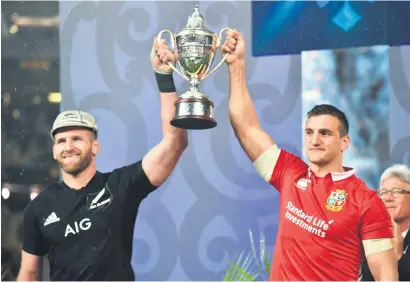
<point x="240" y="270"/>
<point x="264" y="259"/>
<point x="241" y="273"/>
<point x="243" y="269"/>
<point x="254" y="250"/>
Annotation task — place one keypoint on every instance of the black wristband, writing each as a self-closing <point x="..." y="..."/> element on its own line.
<point x="165" y="82"/>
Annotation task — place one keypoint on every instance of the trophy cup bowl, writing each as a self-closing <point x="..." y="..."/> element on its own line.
<point x="196" y="48"/>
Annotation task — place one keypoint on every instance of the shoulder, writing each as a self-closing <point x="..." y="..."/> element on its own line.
<point x="44" y="197"/>
<point x="363" y="191"/>
<point x="125" y="172"/>
<point x="124" y="168"/>
<point x="368" y="200"/>
<point x="358" y="187"/>
<point x="275" y="160"/>
<point x="131" y="174"/>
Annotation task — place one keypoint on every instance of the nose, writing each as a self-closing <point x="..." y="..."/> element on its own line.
<point x="315" y="139"/>
<point x="388" y="197"/>
<point x="69" y="145"/>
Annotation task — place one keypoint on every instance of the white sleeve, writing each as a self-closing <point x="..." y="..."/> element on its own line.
<point x="265" y="163"/>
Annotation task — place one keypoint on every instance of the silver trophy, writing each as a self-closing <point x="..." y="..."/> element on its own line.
<point x="196" y="48"/>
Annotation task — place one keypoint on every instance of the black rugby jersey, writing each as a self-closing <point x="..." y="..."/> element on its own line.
<point x="88" y="233"/>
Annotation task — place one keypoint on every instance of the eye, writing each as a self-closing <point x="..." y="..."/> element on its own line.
<point x="397" y="191"/>
<point x="325" y="133"/>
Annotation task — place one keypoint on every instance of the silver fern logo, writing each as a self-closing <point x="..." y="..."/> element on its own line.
<point x="346" y="18"/>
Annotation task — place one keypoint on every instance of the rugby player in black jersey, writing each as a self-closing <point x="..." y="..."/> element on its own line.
<point x="85" y="223"/>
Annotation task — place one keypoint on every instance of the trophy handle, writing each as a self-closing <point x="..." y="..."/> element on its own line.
<point x="218" y="44"/>
<point x="159" y="37"/>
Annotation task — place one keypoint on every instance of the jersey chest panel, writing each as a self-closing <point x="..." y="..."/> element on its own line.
<point x="86" y="216"/>
<point x="320" y="208"/>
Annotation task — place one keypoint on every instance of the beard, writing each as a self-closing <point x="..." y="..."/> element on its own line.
<point x="77" y="167"/>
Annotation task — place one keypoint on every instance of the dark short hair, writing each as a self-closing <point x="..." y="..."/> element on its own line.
<point x="325" y="109"/>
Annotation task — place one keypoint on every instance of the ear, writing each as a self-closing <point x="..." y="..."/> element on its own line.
<point x="344" y="145"/>
<point x="95" y="147"/>
<point x="54" y="152"/>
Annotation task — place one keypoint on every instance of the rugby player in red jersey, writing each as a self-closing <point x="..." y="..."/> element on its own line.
<point x="329" y="218"/>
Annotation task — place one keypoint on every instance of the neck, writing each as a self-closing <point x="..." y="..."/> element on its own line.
<point x="323" y="170"/>
<point x="80" y="180"/>
<point x="404" y="224"/>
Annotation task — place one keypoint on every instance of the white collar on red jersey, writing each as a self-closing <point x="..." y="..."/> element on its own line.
<point x="337" y="176"/>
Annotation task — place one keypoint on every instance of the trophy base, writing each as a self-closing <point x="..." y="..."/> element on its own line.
<point x="193" y="123"/>
<point x="194" y="112"/>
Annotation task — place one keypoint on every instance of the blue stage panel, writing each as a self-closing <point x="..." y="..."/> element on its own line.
<point x="290" y="27"/>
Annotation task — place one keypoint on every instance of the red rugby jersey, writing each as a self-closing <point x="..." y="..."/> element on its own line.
<point x="322" y="222"/>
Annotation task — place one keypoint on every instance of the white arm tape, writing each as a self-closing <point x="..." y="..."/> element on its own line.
<point x="266" y="162"/>
<point x="377" y="245"/>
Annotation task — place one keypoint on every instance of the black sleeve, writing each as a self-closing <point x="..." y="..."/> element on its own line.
<point x="33" y="240"/>
<point x="136" y="181"/>
<point x="404" y="267"/>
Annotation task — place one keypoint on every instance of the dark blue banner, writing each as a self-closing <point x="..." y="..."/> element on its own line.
<point x="290" y="27"/>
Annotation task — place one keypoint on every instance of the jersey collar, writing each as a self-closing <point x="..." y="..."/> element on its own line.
<point x="338" y="176"/>
<point x="95" y="180"/>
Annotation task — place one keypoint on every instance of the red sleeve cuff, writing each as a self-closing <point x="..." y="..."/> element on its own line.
<point x="378" y="232"/>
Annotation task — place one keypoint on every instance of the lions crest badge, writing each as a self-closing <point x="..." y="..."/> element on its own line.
<point x="336" y="200"/>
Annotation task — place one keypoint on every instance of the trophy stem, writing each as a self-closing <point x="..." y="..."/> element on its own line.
<point x="194" y="89"/>
<point x="193" y="109"/>
<point x="194" y="82"/>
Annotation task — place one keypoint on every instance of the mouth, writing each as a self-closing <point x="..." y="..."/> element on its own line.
<point x="316" y="150"/>
<point x="69" y="158"/>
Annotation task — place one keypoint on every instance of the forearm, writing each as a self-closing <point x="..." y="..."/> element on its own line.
<point x="242" y="112"/>
<point x="175" y="138"/>
<point x="27" y="276"/>
<point x="161" y="160"/>
<point x="253" y="139"/>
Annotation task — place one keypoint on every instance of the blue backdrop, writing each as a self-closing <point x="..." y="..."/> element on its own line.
<point x="289" y="27"/>
<point x="199" y="219"/>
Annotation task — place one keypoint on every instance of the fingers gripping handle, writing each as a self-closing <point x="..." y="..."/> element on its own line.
<point x="159" y="37"/>
<point x="218" y="44"/>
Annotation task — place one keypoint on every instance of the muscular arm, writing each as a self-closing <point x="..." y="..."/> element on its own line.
<point x="253" y="139"/>
<point x="381" y="259"/>
<point x="383" y="266"/>
<point x="29" y="267"/>
<point x="159" y="163"/>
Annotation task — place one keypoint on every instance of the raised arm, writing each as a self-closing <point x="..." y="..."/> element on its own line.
<point x="253" y="139"/>
<point x="161" y="160"/>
